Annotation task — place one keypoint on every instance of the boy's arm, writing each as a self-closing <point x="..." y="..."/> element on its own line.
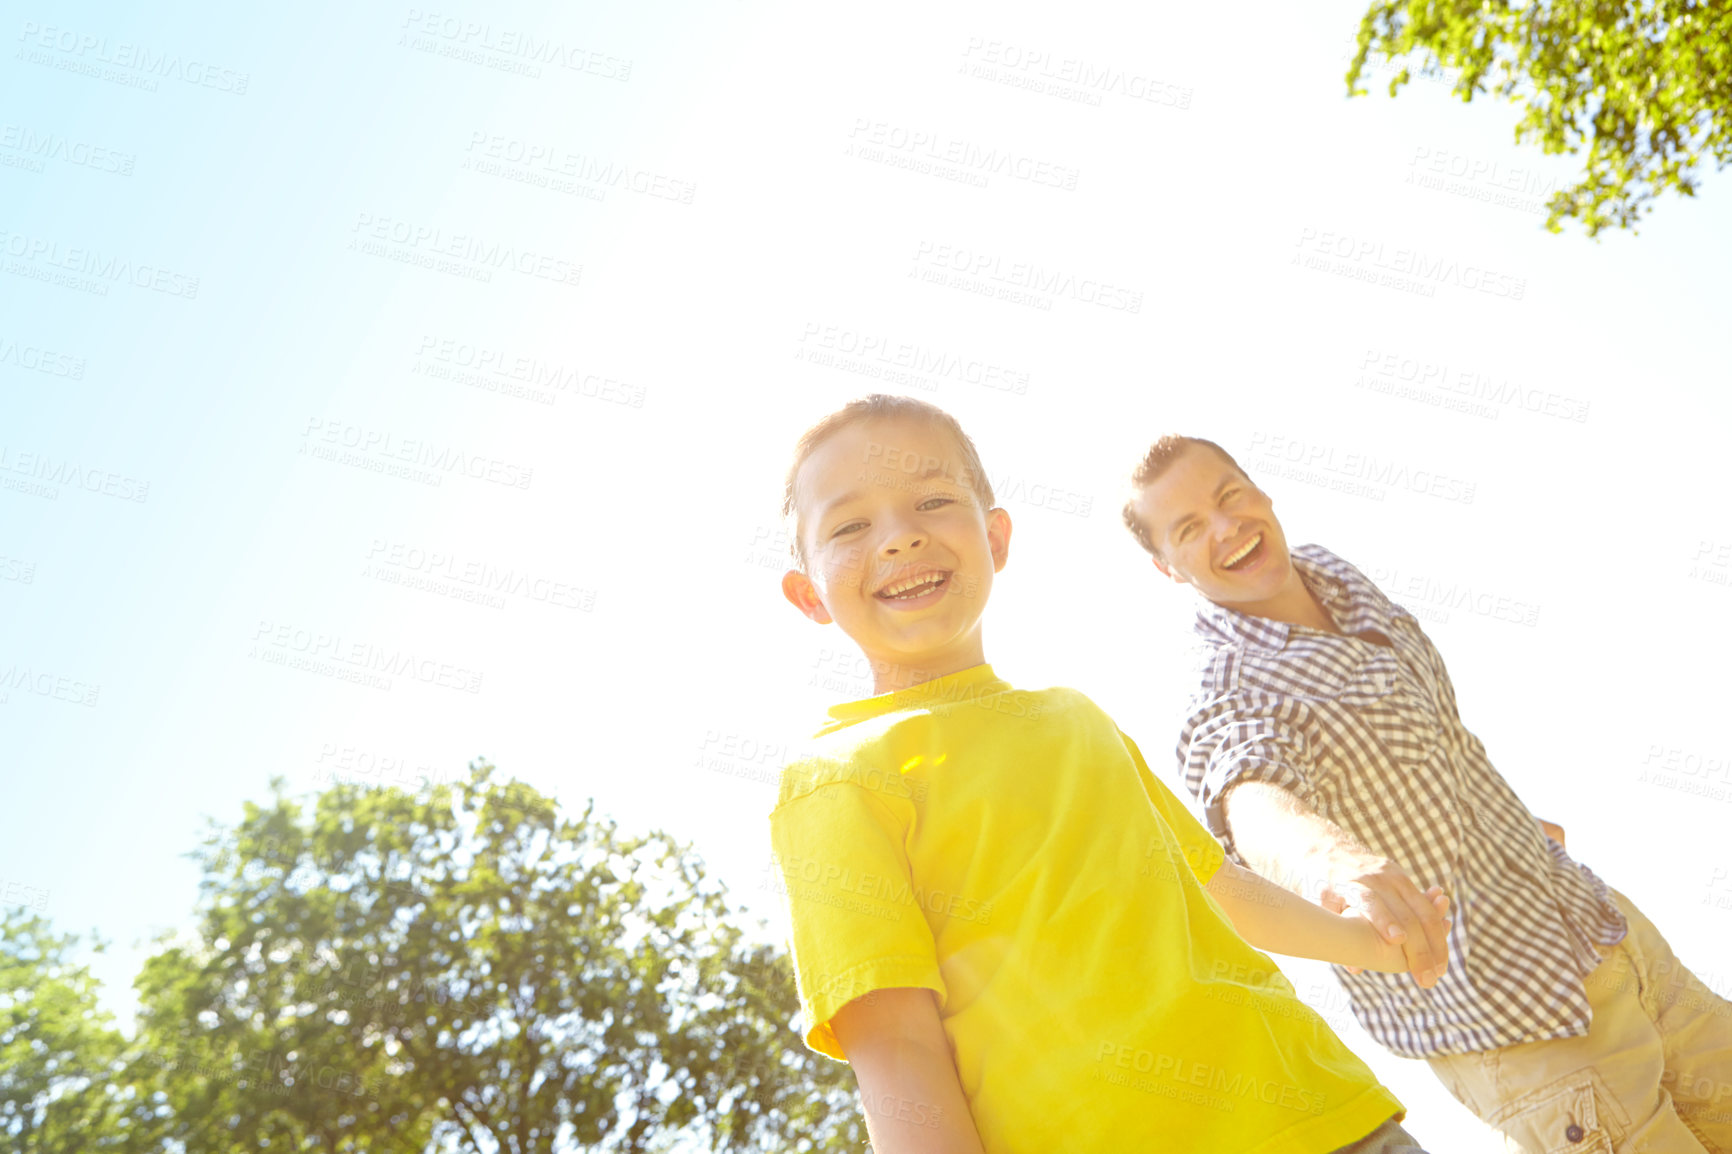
<point x="1272" y="918"/>
<point x="907" y="1077"/>
<point x="1275" y="831"/>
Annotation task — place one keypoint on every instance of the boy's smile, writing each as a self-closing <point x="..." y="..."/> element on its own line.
<point x="915" y="588"/>
<point x="899" y="552"/>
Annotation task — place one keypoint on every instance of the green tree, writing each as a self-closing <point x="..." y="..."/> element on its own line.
<point x="58" y="1052"/>
<point x="466" y="969"/>
<point x="1646" y="87"/>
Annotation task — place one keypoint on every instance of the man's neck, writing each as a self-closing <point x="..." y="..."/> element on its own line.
<point x="1295" y="604"/>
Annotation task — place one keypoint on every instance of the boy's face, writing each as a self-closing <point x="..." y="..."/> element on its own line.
<point x="1214" y="530"/>
<point x="899" y="552"/>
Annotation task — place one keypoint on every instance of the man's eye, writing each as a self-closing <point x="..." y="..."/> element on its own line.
<point x="1229" y="494"/>
<point x="1185" y="534"/>
<point x="848" y="528"/>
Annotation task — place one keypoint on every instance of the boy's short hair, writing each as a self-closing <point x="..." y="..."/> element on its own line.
<point x="1156" y="461"/>
<point x="879" y="407"/>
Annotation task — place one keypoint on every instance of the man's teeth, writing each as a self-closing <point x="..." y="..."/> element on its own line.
<point x="913" y="586"/>
<point x="1244" y="552"/>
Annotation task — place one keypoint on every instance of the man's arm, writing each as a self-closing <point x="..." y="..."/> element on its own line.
<point x="1285" y="840"/>
<point x="1271" y="918"/>
<point x="902" y="1061"/>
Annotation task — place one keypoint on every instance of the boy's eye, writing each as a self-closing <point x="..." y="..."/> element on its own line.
<point x="935" y="502"/>
<point x="848" y="528"/>
<point x="1185" y="533"/>
<point x="1229" y="494"/>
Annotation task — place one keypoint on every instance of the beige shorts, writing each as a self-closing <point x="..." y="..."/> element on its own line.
<point x="1653" y="1074"/>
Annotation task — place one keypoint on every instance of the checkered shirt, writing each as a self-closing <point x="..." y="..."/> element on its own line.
<point x="1369" y="737"/>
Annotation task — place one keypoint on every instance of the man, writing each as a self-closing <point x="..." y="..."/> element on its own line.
<point x="1327" y="752"/>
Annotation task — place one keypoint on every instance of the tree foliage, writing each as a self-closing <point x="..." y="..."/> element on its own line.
<point x="1646" y="87"/>
<point x="466" y="969"/>
<point x="58" y="1051"/>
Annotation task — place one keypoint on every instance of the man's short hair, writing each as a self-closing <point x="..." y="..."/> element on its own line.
<point x="1156" y="461"/>
<point x="880" y="407"/>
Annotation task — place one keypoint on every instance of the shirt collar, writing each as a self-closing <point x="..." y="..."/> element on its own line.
<point x="966" y="684"/>
<point x="1354" y="609"/>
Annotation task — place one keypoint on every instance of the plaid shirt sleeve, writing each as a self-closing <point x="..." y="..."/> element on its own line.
<point x="1361" y="725"/>
<point x="1244" y="736"/>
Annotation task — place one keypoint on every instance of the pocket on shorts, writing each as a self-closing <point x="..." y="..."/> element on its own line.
<point x="1569" y="1116"/>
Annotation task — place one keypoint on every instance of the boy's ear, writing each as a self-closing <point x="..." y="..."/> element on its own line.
<point x="998" y="537"/>
<point x="803" y="595"/>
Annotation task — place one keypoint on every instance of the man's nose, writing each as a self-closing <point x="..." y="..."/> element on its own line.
<point x="1227" y="526"/>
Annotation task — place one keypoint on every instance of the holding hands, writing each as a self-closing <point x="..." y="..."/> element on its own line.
<point x="1412" y="926"/>
<point x="1273" y="918"/>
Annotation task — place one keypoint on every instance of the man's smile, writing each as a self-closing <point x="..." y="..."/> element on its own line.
<point x="1243" y="553"/>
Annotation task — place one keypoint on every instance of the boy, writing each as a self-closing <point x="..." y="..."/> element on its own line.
<point x="1020" y="940"/>
<point x="1325" y="746"/>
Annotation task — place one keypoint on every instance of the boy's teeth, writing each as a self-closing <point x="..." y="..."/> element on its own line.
<point x="913" y="587"/>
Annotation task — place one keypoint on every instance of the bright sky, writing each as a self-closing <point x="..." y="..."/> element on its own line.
<point x="268" y="275"/>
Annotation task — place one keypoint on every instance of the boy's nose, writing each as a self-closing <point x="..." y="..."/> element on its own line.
<point x="898" y="543"/>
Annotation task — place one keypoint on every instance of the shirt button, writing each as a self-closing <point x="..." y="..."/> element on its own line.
<point x="1574" y="1133"/>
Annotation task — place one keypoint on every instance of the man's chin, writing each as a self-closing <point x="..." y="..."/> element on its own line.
<point x="1235" y="593"/>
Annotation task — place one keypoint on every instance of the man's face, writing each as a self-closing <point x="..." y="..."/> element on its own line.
<point x="1215" y="530"/>
<point x="899" y="552"/>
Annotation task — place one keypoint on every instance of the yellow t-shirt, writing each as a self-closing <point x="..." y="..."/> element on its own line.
<point x="1011" y="851"/>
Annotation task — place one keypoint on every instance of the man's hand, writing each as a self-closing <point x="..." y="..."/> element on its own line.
<point x="1555" y="832"/>
<point x="1376" y="889"/>
<point x="1285" y="839"/>
<point x="1271" y="917"/>
<point x="1388" y="957"/>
